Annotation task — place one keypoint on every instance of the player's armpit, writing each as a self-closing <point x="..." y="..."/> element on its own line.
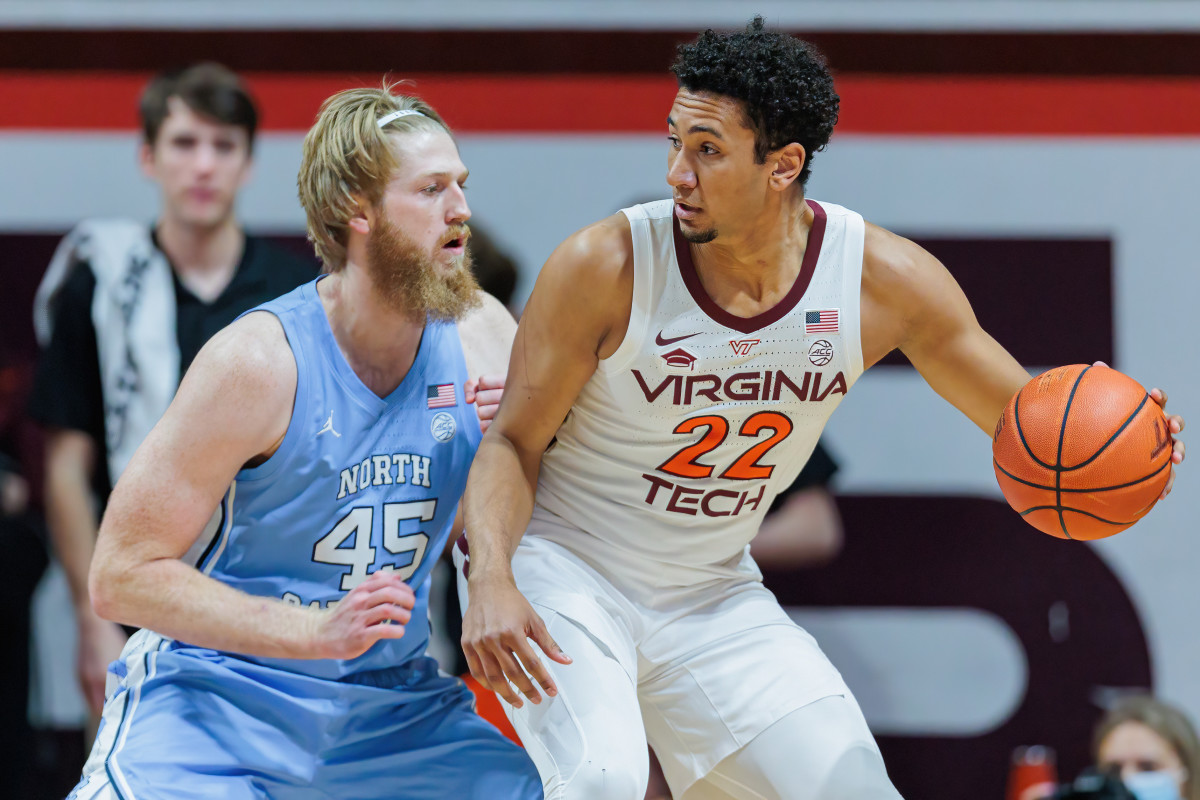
<point x="911" y="302"/>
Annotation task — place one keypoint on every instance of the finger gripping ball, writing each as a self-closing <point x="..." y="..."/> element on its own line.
<point x="1082" y="452"/>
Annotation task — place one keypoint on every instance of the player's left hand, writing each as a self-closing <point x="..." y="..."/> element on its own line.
<point x="485" y="392"/>
<point x="1175" y="425"/>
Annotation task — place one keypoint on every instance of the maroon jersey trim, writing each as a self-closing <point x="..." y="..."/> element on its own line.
<point x="687" y="270"/>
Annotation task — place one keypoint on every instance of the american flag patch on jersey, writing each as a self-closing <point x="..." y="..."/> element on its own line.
<point x="823" y="321"/>
<point x="440" y="396"/>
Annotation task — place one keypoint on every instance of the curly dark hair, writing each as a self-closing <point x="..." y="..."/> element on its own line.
<point x="783" y="83"/>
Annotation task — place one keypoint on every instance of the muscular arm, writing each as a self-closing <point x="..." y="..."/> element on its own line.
<point x="911" y="302"/>
<point x="577" y="315"/>
<point x="232" y="407"/>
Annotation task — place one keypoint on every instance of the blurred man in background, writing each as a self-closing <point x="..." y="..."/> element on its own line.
<point x="125" y="306"/>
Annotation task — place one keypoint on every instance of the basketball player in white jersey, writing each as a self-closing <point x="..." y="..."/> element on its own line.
<point x="695" y="350"/>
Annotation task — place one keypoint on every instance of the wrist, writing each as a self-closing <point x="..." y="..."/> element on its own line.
<point x="490" y="573"/>
<point x="306" y="639"/>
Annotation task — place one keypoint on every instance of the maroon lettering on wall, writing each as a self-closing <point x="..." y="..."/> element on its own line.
<point x="964" y="552"/>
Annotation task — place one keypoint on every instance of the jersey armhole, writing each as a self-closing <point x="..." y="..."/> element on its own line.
<point x="299" y="412"/>
<point x="639" y="312"/>
<point x="855" y="236"/>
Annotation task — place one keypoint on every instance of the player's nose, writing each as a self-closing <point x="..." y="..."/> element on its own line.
<point x="458" y="211"/>
<point x="680" y="172"/>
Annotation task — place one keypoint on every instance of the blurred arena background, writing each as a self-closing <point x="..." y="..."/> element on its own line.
<point x="1048" y="152"/>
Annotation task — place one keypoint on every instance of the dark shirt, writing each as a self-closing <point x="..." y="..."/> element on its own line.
<point x="67" y="388"/>
<point x="818" y="471"/>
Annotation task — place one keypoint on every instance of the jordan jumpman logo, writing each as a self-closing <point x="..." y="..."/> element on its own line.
<point x="329" y="427"/>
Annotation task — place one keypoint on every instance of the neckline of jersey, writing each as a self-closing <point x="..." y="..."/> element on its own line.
<point x="349" y="378"/>
<point x="808" y="266"/>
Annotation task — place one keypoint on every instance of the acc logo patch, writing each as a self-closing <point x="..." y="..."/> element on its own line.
<point x="821" y="353"/>
<point x="443" y="427"/>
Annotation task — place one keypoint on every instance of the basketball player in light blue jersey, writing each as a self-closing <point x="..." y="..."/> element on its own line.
<point x="283" y="650"/>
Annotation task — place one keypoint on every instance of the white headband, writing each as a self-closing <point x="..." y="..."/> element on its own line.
<point x="404" y="112"/>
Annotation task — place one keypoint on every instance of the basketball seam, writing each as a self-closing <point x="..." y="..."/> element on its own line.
<point x="1061" y="509"/>
<point x="1112" y="438"/>
<point x="1021" y="433"/>
<point x="1058" y="469"/>
<point x="1146" y="477"/>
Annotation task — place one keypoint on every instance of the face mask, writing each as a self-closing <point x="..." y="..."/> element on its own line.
<point x="1160" y="785"/>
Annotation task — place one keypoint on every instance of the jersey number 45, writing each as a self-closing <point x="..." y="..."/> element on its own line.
<point x="359" y="556"/>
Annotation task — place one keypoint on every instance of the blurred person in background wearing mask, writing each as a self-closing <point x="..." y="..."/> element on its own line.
<point x="1152" y="747"/>
<point x="125" y="306"/>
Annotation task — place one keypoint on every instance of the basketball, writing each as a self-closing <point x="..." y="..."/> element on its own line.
<point x="1082" y="452"/>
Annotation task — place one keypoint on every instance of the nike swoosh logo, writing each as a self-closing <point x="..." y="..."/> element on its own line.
<point x="661" y="342"/>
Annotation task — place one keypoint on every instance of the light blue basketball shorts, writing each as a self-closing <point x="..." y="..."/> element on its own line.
<point x="193" y="723"/>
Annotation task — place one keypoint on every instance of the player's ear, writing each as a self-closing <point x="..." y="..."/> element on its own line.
<point x="146" y="159"/>
<point x="363" y="217"/>
<point x="788" y="163"/>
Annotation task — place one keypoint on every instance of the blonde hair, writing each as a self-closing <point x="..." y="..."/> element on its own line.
<point x="1166" y="721"/>
<point x="348" y="159"/>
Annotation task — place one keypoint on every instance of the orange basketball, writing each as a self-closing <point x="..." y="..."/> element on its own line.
<point x="1082" y="452"/>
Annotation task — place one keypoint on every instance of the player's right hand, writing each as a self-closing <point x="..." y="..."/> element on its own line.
<point x="100" y="643"/>
<point x="497" y="627"/>
<point x="378" y="608"/>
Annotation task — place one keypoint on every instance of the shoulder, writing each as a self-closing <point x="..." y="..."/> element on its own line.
<point x="487" y="333"/>
<point x="594" y="264"/>
<point x="604" y="246"/>
<point x="584" y="294"/>
<point x="248" y="360"/>
<point x="489" y="318"/>
<point x="891" y="260"/>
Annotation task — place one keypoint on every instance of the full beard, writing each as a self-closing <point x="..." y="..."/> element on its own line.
<point x="411" y="282"/>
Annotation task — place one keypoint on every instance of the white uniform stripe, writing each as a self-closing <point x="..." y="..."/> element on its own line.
<point x="103" y="777"/>
<point x="226" y="527"/>
<point x="142" y="667"/>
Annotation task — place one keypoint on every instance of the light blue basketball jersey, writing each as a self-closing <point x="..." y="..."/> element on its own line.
<point x="360" y="483"/>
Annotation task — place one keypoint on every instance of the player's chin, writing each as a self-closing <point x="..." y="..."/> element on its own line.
<point x="696" y="234"/>
<point x="450" y="261"/>
<point x="204" y="214"/>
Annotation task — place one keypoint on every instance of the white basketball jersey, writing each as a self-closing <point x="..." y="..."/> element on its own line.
<point x="677" y="444"/>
